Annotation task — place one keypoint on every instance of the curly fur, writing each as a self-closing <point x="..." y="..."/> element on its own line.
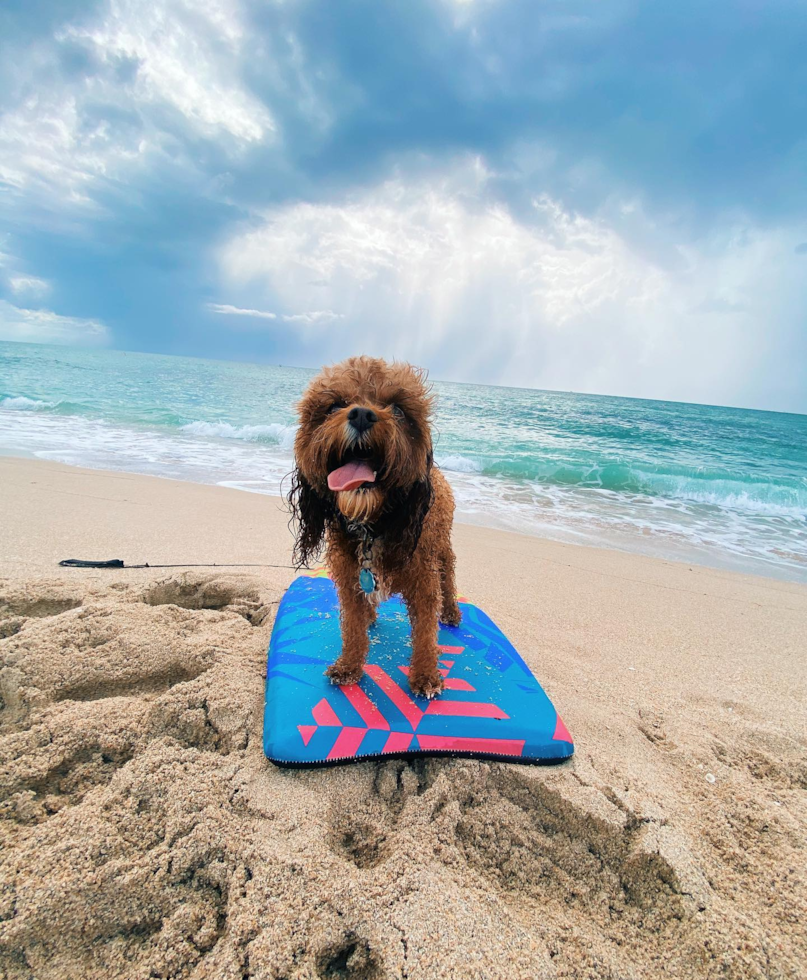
<point x="311" y="513"/>
<point x="407" y="513"/>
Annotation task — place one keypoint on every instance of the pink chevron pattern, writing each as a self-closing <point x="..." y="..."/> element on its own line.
<point x="349" y="739"/>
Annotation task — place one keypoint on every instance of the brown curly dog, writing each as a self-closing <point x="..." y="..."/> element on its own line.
<point x="365" y="484"/>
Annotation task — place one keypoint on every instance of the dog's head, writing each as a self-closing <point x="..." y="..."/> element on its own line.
<point x="363" y="450"/>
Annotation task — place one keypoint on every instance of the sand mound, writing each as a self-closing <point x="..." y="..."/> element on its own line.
<point x="145" y="835"/>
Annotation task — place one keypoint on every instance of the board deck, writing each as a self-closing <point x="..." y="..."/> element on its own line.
<point x="492" y="705"/>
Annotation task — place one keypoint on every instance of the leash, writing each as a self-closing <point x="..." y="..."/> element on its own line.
<point x="118" y="563"/>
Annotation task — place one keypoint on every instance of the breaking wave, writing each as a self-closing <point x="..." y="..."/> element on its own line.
<point x="19" y="403"/>
<point x="273" y="433"/>
<point x="714" y="487"/>
<point x="459" y="464"/>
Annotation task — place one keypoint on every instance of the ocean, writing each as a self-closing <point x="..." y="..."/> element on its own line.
<point x="724" y="487"/>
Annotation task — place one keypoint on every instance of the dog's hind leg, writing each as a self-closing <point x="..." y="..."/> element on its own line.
<point x="450" y="614"/>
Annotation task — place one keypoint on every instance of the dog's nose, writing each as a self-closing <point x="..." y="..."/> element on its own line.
<point x="362" y="419"/>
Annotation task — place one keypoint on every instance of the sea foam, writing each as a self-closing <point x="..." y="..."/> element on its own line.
<point x="459" y="464"/>
<point x="274" y="432"/>
<point x="19" y="403"/>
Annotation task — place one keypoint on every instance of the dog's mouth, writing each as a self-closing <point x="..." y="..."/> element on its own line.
<point x="357" y="469"/>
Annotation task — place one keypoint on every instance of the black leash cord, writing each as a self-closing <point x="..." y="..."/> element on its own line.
<point x="117" y="563"/>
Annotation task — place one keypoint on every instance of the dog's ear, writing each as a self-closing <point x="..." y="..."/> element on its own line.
<point x="407" y="512"/>
<point x="310" y="515"/>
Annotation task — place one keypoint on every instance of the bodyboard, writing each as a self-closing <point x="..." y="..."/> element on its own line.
<point x="492" y="705"/>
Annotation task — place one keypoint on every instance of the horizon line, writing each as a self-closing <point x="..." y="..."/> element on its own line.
<point x="483" y="384"/>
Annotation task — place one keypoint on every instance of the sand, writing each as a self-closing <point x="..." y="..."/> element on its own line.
<point x="145" y="835"/>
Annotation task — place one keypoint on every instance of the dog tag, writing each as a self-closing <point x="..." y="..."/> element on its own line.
<point x="367" y="580"/>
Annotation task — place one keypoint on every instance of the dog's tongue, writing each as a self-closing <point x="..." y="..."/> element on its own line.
<point x="350" y="476"/>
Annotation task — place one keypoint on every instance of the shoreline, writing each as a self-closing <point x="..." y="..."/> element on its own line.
<point x="690" y="555"/>
<point x="133" y="781"/>
<point x="55" y="473"/>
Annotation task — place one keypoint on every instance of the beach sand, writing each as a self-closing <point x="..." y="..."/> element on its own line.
<point x="145" y="835"/>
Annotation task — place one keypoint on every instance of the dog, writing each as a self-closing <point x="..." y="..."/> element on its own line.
<point x="365" y="486"/>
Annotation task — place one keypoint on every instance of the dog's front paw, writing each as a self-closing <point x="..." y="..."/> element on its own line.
<point x="451" y="616"/>
<point x="344" y="674"/>
<point x="427" y="683"/>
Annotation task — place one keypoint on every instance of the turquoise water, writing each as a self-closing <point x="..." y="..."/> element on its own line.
<point x="720" y="486"/>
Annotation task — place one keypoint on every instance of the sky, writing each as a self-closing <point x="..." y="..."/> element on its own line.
<point x="586" y="196"/>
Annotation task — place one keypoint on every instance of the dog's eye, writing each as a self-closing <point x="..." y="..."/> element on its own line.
<point x="335" y="407"/>
<point x="397" y="411"/>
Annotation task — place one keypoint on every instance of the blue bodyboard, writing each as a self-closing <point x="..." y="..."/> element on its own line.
<point x="492" y="706"/>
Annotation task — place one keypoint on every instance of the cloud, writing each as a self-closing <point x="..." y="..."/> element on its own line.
<point x="235" y="311"/>
<point x="20" y="283"/>
<point x="436" y="265"/>
<point x="440" y="272"/>
<point x="123" y="90"/>
<point x="314" y="316"/>
<point x="179" y="54"/>
<point x="28" y="286"/>
<point x="46" y="327"/>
